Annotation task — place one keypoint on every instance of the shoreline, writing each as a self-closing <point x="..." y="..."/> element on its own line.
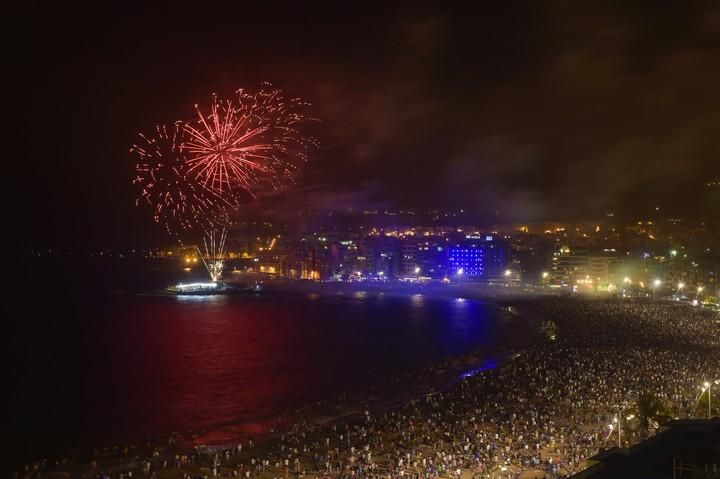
<point x="389" y="393"/>
<point x="440" y="377"/>
<point x="551" y="385"/>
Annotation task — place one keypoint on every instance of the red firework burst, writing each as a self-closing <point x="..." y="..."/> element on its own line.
<point x="178" y="202"/>
<point x="242" y="143"/>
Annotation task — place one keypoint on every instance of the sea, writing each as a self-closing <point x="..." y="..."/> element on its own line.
<point x="98" y="355"/>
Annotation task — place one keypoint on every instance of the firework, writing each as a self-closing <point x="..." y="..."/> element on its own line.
<point x="177" y="200"/>
<point x="245" y="142"/>
<point x="194" y="175"/>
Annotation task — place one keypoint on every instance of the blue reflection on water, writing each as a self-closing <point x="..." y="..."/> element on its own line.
<point x="490" y="363"/>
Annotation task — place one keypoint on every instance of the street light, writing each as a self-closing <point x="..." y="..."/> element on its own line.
<point x="619" y="429"/>
<point x="617" y="423"/>
<point x="707" y="385"/>
<point x="656" y="285"/>
<point x="508" y="272"/>
<point x="626" y="280"/>
<point x="680" y="286"/>
<point x="545" y="274"/>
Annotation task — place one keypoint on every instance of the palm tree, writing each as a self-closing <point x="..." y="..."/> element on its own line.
<point x="651" y="411"/>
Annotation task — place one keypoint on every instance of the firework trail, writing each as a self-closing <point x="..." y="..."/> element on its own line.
<point x="177" y="200"/>
<point x="194" y="175"/>
<point x="252" y="140"/>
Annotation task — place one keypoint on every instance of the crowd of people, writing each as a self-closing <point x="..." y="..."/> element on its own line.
<point x="542" y="413"/>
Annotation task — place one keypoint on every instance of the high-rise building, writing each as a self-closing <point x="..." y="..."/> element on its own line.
<point x="409" y="258"/>
<point x="569" y="266"/>
<point x="478" y="257"/>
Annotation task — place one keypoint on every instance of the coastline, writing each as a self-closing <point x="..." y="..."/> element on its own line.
<point x="542" y="410"/>
<point x="467" y="290"/>
<point x="390" y="395"/>
<point x="387" y="394"/>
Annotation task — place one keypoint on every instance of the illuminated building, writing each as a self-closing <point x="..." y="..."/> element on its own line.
<point x="578" y="268"/>
<point x="409" y="257"/>
<point x="603" y="269"/>
<point x="431" y="257"/>
<point x="478" y="257"/>
<point x="569" y="266"/>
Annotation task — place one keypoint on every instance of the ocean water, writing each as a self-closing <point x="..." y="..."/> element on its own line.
<point x="95" y="356"/>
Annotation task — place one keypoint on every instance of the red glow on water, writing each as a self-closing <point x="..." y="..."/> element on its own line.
<point x="190" y="365"/>
<point x="215" y="369"/>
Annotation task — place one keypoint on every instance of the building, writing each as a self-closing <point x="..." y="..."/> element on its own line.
<point x="603" y="269"/>
<point x="684" y="449"/>
<point x="409" y="263"/>
<point x="569" y="267"/>
<point x="383" y="255"/>
<point x="431" y="257"/>
<point x="478" y="257"/>
<point x="302" y="262"/>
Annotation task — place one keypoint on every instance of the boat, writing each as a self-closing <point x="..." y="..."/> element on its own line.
<point x="209" y="288"/>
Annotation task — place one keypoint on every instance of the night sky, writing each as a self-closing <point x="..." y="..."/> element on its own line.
<point x="512" y="110"/>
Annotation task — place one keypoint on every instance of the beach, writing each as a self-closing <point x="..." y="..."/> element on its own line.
<point x="542" y="412"/>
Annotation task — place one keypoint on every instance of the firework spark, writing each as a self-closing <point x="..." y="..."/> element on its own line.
<point x="177" y="200"/>
<point x="242" y="143"/>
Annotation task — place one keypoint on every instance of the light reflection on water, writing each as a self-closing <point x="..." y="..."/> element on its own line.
<point x="164" y="364"/>
<point x="417" y="300"/>
<point x="202" y="298"/>
<point x="490" y="363"/>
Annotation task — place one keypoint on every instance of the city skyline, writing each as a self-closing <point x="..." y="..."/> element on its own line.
<point x="602" y="257"/>
<point x="538" y="112"/>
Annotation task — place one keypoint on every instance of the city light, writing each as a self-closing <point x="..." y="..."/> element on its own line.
<point x="195" y="287"/>
<point x="273" y="313"/>
<point x="706" y="387"/>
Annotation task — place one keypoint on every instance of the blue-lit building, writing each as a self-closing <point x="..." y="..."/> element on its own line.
<point x="477" y="258"/>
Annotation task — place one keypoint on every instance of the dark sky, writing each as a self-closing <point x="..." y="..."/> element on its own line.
<point x="514" y="110"/>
